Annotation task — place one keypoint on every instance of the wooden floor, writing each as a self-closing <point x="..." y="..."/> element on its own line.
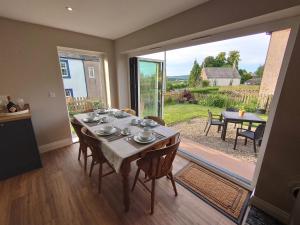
<point x="62" y="194"/>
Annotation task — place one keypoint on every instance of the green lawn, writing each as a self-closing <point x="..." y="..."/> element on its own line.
<point x="184" y="112"/>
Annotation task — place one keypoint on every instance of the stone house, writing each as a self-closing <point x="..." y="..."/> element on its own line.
<point x="221" y="76"/>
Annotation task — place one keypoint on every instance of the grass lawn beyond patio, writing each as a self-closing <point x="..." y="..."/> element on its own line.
<point x="183" y="112"/>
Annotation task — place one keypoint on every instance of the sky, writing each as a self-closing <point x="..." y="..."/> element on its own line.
<point x="253" y="51"/>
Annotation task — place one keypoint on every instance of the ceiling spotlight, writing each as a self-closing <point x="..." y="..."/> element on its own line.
<point x="69" y="8"/>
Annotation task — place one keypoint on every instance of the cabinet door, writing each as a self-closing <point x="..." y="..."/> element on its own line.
<point x="18" y="148"/>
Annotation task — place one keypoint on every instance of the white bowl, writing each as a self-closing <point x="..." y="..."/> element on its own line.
<point x="145" y="135"/>
<point x="148" y="121"/>
<point x="108" y="129"/>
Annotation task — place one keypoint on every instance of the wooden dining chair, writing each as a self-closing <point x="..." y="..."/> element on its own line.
<point x="98" y="158"/>
<point x="213" y="120"/>
<point x="130" y="111"/>
<point x="156" y="164"/>
<point x="156" y="119"/>
<point x="82" y="146"/>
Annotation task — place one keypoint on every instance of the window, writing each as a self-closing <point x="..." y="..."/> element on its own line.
<point x="64" y="67"/>
<point x="69" y="92"/>
<point x="91" y="72"/>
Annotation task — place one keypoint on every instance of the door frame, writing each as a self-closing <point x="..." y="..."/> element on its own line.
<point x="227" y="32"/>
<point x="163" y="65"/>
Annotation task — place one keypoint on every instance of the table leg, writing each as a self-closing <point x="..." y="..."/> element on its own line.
<point x="125" y="170"/>
<point x="250" y="125"/>
<point x="224" y="130"/>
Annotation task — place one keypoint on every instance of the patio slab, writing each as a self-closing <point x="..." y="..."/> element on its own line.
<point x="219" y="159"/>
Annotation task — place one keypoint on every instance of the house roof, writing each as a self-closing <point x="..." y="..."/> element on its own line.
<point x="253" y="81"/>
<point x="221" y="72"/>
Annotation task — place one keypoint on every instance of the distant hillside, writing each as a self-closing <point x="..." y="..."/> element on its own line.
<point x="181" y="77"/>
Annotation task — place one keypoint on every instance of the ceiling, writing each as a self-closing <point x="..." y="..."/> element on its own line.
<point x="103" y="18"/>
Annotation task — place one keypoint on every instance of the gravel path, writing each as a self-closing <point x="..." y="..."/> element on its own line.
<point x="194" y="130"/>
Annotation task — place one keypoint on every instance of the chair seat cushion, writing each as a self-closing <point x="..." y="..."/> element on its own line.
<point x="217" y="122"/>
<point x="248" y="134"/>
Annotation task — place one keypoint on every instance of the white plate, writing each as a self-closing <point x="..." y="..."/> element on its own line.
<point x="153" y="124"/>
<point x="121" y="114"/>
<point x="102" y="112"/>
<point x="87" y="120"/>
<point x="125" y="134"/>
<point x="103" y="133"/>
<point x="136" y="139"/>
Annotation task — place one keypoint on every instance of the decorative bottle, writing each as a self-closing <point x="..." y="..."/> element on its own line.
<point x="11" y="107"/>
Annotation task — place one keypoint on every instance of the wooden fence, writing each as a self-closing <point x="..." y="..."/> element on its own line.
<point x="262" y="101"/>
<point x="82" y="104"/>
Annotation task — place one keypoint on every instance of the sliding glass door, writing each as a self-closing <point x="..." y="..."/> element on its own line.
<point x="151" y="83"/>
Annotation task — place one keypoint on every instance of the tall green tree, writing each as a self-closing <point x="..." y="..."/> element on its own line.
<point x="233" y="58"/>
<point x="194" y="78"/>
<point x="209" y="61"/>
<point x="260" y="70"/>
<point x="220" y="59"/>
<point x="244" y="75"/>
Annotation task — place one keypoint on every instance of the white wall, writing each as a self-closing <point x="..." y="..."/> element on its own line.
<point x="77" y="80"/>
<point x="224" y="82"/>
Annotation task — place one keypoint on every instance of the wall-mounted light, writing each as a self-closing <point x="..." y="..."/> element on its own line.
<point x="70" y="9"/>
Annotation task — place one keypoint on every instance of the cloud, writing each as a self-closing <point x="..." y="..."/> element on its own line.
<point x="253" y="50"/>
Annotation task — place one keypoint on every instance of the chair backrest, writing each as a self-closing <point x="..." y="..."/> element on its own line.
<point x="210" y="116"/>
<point x="231" y="109"/>
<point x="259" y="132"/>
<point x="130" y="111"/>
<point x="93" y="143"/>
<point x="77" y="128"/>
<point x="161" y="160"/>
<point x="156" y="119"/>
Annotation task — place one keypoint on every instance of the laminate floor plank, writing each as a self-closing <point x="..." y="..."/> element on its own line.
<point x="61" y="193"/>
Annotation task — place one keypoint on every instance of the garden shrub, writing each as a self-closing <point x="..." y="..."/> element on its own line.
<point x="215" y="100"/>
<point x="205" y="83"/>
<point x="170" y="101"/>
<point x="206" y="90"/>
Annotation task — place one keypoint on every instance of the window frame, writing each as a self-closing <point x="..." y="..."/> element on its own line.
<point x="91" y="68"/>
<point x="68" y="76"/>
<point x="71" y="91"/>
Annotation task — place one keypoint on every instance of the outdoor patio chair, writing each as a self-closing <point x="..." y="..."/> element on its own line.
<point x="213" y="120"/>
<point x="255" y="136"/>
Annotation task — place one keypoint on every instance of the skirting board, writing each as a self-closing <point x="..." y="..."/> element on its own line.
<point x="270" y="209"/>
<point x="55" y="145"/>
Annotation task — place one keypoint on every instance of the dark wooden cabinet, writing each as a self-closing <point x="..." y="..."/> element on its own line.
<point x="18" y="149"/>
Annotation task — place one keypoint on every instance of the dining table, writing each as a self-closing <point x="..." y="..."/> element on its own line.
<point x="234" y="117"/>
<point x="119" y="150"/>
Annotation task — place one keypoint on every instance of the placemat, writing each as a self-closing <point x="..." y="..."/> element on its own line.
<point x="130" y="140"/>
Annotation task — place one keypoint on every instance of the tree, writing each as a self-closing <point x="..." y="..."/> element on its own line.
<point x="244" y="75"/>
<point x="209" y="61"/>
<point x="260" y="70"/>
<point x="220" y="59"/>
<point x="194" y="78"/>
<point x="233" y="58"/>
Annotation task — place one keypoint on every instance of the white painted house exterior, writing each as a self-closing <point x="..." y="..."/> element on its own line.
<point x="73" y="77"/>
<point x="221" y="76"/>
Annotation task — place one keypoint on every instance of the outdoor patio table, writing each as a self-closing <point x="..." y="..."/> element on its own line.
<point x="120" y="153"/>
<point x="231" y="117"/>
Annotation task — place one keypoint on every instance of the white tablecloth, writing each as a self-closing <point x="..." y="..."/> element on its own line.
<point x="118" y="150"/>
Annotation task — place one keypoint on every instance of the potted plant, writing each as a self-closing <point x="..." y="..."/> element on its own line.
<point x="241" y="111"/>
